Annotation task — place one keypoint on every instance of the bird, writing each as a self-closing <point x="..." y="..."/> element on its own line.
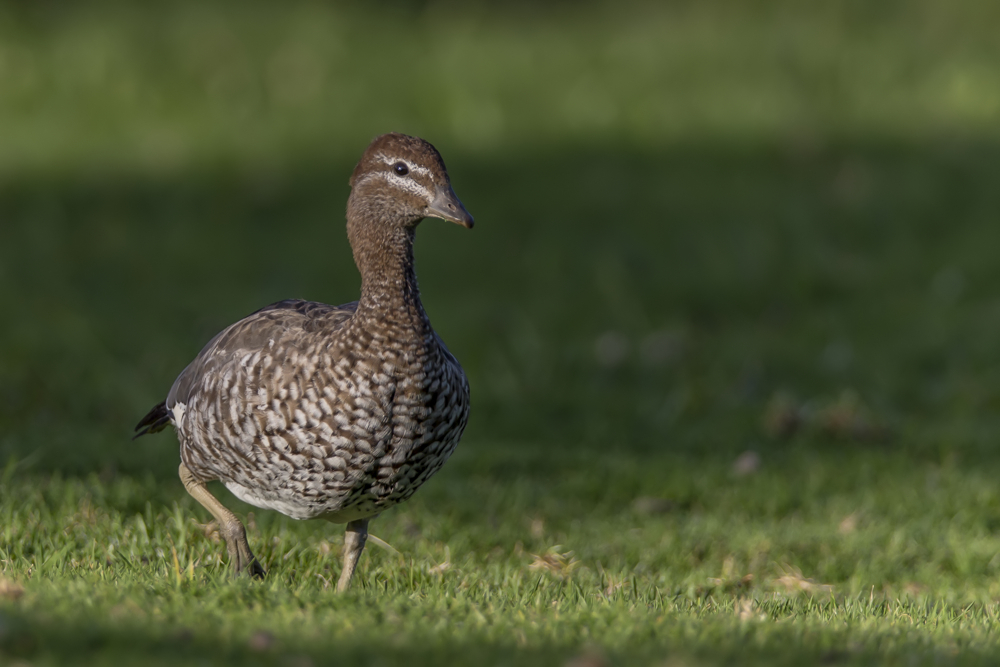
<point x="331" y="412"/>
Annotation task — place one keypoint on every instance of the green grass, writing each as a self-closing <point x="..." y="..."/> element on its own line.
<point x="730" y="316"/>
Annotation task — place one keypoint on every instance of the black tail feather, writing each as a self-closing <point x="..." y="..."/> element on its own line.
<point x="155" y="421"/>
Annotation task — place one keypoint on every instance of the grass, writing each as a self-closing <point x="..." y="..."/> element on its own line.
<point x="729" y="314"/>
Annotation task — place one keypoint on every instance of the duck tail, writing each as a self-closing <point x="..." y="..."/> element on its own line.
<point x="155" y="421"/>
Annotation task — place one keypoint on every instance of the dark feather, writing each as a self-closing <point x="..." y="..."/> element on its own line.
<point x="155" y="421"/>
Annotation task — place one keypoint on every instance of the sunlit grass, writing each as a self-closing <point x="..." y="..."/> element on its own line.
<point x="704" y="581"/>
<point x="120" y="85"/>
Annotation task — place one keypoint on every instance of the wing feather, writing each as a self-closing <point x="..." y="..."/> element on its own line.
<point x="281" y="320"/>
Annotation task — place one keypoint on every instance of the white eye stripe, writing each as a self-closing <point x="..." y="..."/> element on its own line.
<point x="406" y="184"/>
<point x="385" y="159"/>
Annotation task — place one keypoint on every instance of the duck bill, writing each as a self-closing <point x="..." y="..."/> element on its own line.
<point x="447" y="207"/>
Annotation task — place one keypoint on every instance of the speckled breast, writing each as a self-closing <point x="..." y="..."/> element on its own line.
<point x="342" y="429"/>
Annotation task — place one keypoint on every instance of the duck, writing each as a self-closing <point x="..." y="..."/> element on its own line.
<point x="331" y="412"/>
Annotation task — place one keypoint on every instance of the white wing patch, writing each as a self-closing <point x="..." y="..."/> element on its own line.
<point x="177" y="414"/>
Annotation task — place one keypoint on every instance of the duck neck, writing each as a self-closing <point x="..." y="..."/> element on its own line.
<point x="389" y="292"/>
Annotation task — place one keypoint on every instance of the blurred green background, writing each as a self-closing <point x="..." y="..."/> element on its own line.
<point x="734" y="263"/>
<point x="683" y="209"/>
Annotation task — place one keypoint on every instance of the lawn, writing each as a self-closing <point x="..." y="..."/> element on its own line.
<point x="730" y="315"/>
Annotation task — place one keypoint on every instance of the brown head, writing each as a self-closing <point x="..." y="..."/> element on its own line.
<point x="402" y="180"/>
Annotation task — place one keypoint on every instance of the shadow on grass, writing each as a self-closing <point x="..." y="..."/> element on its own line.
<point x="628" y="305"/>
<point x="719" y="639"/>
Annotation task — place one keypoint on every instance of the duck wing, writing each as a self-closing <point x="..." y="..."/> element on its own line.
<point x="253" y="334"/>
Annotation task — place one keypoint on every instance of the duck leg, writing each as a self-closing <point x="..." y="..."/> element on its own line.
<point x="354" y="544"/>
<point x="231" y="528"/>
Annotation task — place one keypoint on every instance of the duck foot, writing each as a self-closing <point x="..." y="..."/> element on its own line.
<point x="240" y="557"/>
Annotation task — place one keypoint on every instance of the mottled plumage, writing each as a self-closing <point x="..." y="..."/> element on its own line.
<point x="331" y="412"/>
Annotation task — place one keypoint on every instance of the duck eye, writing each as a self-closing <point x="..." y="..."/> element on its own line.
<point x="401" y="169"/>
